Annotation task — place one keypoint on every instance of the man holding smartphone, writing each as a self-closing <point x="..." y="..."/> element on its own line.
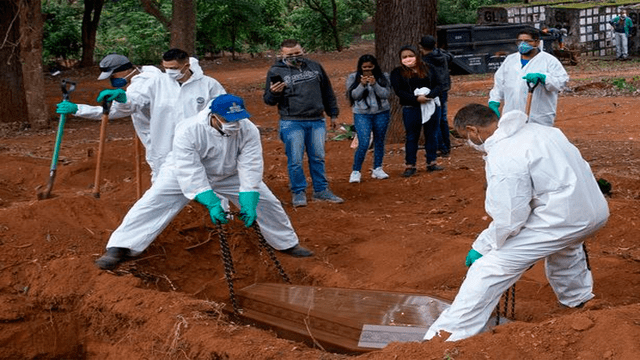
<point x="302" y="91"/>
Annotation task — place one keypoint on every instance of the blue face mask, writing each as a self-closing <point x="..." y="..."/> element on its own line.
<point x="524" y="47"/>
<point x="118" y="82"/>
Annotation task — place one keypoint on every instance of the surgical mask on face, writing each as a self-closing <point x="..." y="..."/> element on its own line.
<point x="409" y="61"/>
<point x="231" y="127"/>
<point x="175" y="74"/>
<point x="121" y="82"/>
<point x="524" y="47"/>
<point x="118" y="82"/>
<point x="476" y="146"/>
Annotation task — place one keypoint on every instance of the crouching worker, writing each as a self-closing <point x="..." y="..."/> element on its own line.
<point x="215" y="153"/>
<point x="543" y="200"/>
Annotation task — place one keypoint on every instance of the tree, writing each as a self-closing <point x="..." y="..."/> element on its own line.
<point x="398" y="23"/>
<point x="90" y="21"/>
<point x="22" y="93"/>
<point x="182" y="24"/>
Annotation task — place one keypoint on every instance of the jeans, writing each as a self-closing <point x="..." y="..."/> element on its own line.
<point x="365" y="123"/>
<point x="412" y="117"/>
<point x="298" y="135"/>
<point x="621" y="44"/>
<point x="444" y="142"/>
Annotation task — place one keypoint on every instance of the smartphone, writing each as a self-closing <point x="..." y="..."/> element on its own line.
<point x="275" y="79"/>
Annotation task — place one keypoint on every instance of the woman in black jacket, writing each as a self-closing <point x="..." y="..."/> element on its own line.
<point x="405" y="79"/>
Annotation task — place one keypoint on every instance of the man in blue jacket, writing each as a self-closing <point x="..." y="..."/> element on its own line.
<point x="302" y="90"/>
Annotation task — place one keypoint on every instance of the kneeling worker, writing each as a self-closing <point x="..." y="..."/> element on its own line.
<point x="544" y="202"/>
<point x="215" y="153"/>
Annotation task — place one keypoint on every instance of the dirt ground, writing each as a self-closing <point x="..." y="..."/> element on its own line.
<point x="408" y="235"/>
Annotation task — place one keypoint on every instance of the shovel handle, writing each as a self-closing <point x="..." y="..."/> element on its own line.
<point x="106" y="105"/>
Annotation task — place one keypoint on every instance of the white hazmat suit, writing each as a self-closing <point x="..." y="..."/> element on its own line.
<point x="156" y="103"/>
<point x="202" y="159"/>
<point x="544" y="201"/>
<point x="511" y="89"/>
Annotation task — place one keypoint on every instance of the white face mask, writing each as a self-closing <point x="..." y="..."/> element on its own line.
<point x="231" y="127"/>
<point x="476" y="146"/>
<point x="175" y="74"/>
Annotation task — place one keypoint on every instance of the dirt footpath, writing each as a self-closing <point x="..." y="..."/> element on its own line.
<point x="399" y="234"/>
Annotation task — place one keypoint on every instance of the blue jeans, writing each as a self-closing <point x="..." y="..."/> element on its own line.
<point x="365" y="123"/>
<point x="412" y="117"/>
<point x="444" y="142"/>
<point x="298" y="135"/>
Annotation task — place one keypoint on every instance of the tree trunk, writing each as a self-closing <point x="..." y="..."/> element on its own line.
<point x="398" y="23"/>
<point x="89" y="29"/>
<point x="22" y="101"/>
<point x="183" y="26"/>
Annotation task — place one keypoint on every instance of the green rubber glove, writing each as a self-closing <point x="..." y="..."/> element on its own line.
<point x="248" y="203"/>
<point x="495" y="106"/>
<point x="118" y="95"/>
<point x="66" y="107"/>
<point x="533" y="78"/>
<point x="211" y="201"/>
<point x="472" y="256"/>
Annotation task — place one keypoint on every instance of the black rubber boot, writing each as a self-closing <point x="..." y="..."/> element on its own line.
<point x="112" y="257"/>
<point x="298" y="251"/>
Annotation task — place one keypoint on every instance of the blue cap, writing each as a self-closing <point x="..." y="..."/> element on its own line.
<point x="230" y="107"/>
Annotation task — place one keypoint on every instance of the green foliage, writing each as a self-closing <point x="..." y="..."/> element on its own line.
<point x="313" y="30"/>
<point x="240" y="26"/>
<point x="62" y="35"/>
<point x="126" y="29"/>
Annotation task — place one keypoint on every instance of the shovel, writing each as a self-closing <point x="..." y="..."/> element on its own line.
<point x="46" y="193"/>
<point x="106" y="106"/>
<point x="531" y="86"/>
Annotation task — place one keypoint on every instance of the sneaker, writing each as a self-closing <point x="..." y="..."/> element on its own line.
<point x="355" y="177"/>
<point x="112" y="257"/>
<point x="298" y="251"/>
<point x="434" y="167"/>
<point x="327" y="195"/>
<point x="378" y="173"/>
<point x="408" y="172"/>
<point x="299" y="199"/>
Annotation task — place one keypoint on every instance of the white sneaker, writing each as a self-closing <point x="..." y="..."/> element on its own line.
<point x="378" y="173"/>
<point x="355" y="177"/>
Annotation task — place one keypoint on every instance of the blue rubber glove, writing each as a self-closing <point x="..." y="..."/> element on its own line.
<point x="211" y="201"/>
<point x="66" y="107"/>
<point x="472" y="256"/>
<point x="533" y="78"/>
<point x="495" y="106"/>
<point x="118" y="95"/>
<point x="248" y="203"/>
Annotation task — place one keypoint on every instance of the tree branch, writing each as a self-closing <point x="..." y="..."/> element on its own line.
<point x="152" y="8"/>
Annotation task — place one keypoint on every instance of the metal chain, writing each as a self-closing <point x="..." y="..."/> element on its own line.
<point x="229" y="271"/>
<point x="586" y="255"/>
<point x="506" y="304"/>
<point x="263" y="244"/>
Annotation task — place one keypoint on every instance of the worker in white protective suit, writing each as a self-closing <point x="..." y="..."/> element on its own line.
<point x="527" y="67"/>
<point x="216" y="153"/>
<point x="543" y="200"/>
<point x="156" y="101"/>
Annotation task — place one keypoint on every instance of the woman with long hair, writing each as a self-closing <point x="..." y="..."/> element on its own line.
<point x="414" y="74"/>
<point x="368" y="91"/>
